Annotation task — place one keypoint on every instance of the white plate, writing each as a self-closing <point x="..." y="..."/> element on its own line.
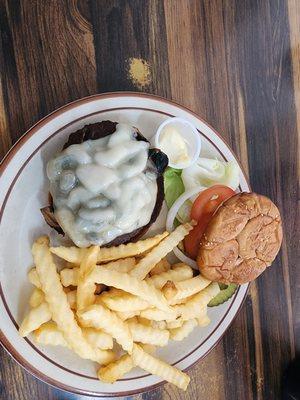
<point x="23" y="191"/>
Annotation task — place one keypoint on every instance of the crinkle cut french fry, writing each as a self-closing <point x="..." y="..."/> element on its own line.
<point x="179" y="301"/>
<point x="130" y="249"/>
<point x="144" y="321"/>
<point x="162" y="266"/>
<point x="177" y="323"/>
<point x="71" y="254"/>
<point x="35" y="318"/>
<point x="169" y="290"/>
<point x="145" y="265"/>
<point x="162" y="325"/>
<point x="49" y="334"/>
<point x="158" y="315"/>
<point x="58" y="303"/>
<point x="149" y="348"/>
<point x="124" y="265"/>
<point x="34" y="278"/>
<point x="127" y="314"/>
<point x="98" y="338"/>
<point x="148" y="335"/>
<point x="131" y="285"/>
<point x="71" y="296"/>
<point x="74" y="254"/>
<point x="123" y="302"/>
<point x="186" y="288"/>
<point x="160" y="368"/>
<point x="100" y="317"/>
<point x="69" y="276"/>
<point x="123" y="315"/>
<point x="86" y="288"/>
<point x="183" y="331"/>
<point x="178" y="273"/>
<point x="203" y="321"/>
<point x="196" y="306"/>
<point x="37" y="297"/>
<point x="115" y="370"/>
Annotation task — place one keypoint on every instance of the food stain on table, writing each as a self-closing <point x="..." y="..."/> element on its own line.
<point x="139" y="72"/>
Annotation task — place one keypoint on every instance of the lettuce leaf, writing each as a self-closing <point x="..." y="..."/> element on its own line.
<point x="173" y="185"/>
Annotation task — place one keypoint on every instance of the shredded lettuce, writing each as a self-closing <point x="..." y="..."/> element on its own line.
<point x="208" y="172"/>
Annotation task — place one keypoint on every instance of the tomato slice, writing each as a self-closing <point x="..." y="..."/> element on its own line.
<point x="209" y="200"/>
<point x="203" y="208"/>
<point x="192" y="240"/>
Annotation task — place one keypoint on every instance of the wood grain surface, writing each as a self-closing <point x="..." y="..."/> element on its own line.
<point x="237" y="64"/>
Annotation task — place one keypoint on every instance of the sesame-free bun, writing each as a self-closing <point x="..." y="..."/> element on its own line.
<point x="241" y="240"/>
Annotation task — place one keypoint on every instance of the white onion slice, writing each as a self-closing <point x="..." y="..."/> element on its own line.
<point x="171" y="218"/>
<point x="185" y="259"/>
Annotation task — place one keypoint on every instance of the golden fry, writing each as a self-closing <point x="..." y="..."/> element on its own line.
<point x="157" y="367"/>
<point x="162" y="266"/>
<point x="69" y="276"/>
<point x="58" y="303"/>
<point x="162" y="325"/>
<point x="179" y="273"/>
<point x="116" y="370"/>
<point x="71" y="296"/>
<point x="180" y="290"/>
<point x="100" y="317"/>
<point x="85" y="289"/>
<point x="158" y="315"/>
<point x="146" y="334"/>
<point x="34" y="278"/>
<point x="74" y="254"/>
<point x="35" y="318"/>
<point x="196" y="306"/>
<point x="98" y="338"/>
<point x="203" y="321"/>
<point x="37" y="297"/>
<point x="131" y="285"/>
<point x="145" y="265"/>
<point x="169" y="290"/>
<point x="124" y="265"/>
<point x="177" y="323"/>
<point x="123" y="302"/>
<point x="124" y="316"/>
<point x="49" y="334"/>
<point x="71" y="254"/>
<point x="183" y="331"/>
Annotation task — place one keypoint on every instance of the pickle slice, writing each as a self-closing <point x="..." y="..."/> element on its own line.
<point x="223" y="295"/>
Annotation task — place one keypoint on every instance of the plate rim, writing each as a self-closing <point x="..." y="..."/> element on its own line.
<point x="4" y="164"/>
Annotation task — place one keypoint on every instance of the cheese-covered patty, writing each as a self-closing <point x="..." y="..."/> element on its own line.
<point x="103" y="188"/>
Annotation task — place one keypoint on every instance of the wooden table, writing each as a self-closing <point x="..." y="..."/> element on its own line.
<point x="237" y="64"/>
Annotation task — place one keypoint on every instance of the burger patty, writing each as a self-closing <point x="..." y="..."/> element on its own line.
<point x="159" y="160"/>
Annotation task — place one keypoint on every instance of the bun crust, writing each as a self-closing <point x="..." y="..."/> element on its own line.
<point x="241" y="240"/>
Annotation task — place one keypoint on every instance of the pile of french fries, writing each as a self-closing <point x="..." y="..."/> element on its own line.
<point x="116" y="305"/>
